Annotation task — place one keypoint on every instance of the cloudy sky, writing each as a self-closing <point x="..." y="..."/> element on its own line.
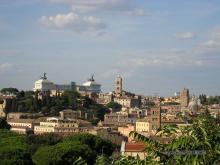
<point x="158" y="46"/>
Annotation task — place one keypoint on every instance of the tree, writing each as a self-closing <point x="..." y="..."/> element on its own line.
<point x="9" y="91"/>
<point x="198" y="143"/>
<point x="103" y="160"/>
<point x="4" y="124"/>
<point x="134" y="161"/>
<point x="36" y="141"/>
<point x="80" y="149"/>
<point x="203" y="99"/>
<point x="114" y="106"/>
<point x="97" y="144"/>
<point x="13" y="150"/>
<point x="63" y="153"/>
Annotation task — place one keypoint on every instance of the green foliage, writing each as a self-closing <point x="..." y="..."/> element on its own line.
<point x="79" y="149"/>
<point x="46" y="149"/>
<point x="13" y="149"/>
<point x="194" y="144"/>
<point x="114" y="106"/>
<point x="4" y="124"/>
<point x="203" y="99"/>
<point x="134" y="161"/>
<point x="62" y="153"/>
<point x="9" y="91"/>
<point x="36" y="141"/>
<point x="99" y="111"/>
<point x="79" y="161"/>
<point x="209" y="100"/>
<point x="28" y="101"/>
<point x="97" y="144"/>
<point x="103" y="160"/>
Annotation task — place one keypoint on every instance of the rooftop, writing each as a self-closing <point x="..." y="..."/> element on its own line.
<point x="137" y="147"/>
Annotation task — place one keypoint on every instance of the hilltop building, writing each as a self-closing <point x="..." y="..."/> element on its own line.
<point x="118" y="86"/>
<point x="126" y="99"/>
<point x="89" y="87"/>
<point x="43" y="85"/>
<point x="184" y="97"/>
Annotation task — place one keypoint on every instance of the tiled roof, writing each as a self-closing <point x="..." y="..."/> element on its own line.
<point x="138" y="147"/>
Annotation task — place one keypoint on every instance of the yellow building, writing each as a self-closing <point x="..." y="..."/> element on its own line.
<point x="142" y="126"/>
<point x="57" y="125"/>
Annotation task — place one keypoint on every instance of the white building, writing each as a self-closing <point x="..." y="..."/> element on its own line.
<point x="90" y="86"/>
<point x="44" y="85"/>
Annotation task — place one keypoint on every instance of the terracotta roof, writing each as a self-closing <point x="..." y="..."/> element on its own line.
<point x="138" y="147"/>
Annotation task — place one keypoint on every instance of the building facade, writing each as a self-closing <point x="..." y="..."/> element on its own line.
<point x="22" y="126"/>
<point x="184" y="97"/>
<point x="142" y="126"/>
<point x="57" y="125"/>
<point x="89" y="87"/>
<point x="154" y="118"/>
<point x="70" y="114"/>
<point x="114" y="119"/>
<point x="128" y="102"/>
<point x="118" y="86"/>
<point x="133" y="149"/>
<point x="44" y="85"/>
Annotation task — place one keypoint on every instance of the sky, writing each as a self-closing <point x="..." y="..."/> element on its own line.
<point x="157" y="46"/>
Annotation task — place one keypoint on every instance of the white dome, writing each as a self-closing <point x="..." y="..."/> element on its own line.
<point x="91" y="83"/>
<point x="43" y="81"/>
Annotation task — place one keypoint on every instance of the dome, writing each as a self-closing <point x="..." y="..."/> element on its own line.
<point x="90" y="83"/>
<point x="43" y="81"/>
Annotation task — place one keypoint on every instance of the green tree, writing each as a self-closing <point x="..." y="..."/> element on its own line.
<point x="97" y="144"/>
<point x="9" y="91"/>
<point x="114" y="106"/>
<point x="4" y="124"/>
<point x="203" y="99"/>
<point x="36" y="141"/>
<point x="13" y="150"/>
<point x="103" y="160"/>
<point x="63" y="153"/>
<point x="198" y="143"/>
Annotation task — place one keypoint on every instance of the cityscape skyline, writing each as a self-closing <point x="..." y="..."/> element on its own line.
<point x="157" y="47"/>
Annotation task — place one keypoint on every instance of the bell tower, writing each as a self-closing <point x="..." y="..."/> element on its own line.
<point x="118" y="86"/>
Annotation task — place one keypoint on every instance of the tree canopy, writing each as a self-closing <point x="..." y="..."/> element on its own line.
<point x="114" y="106"/>
<point x="86" y="146"/>
<point x="13" y="149"/>
<point x="4" y="124"/>
<point x="198" y="143"/>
